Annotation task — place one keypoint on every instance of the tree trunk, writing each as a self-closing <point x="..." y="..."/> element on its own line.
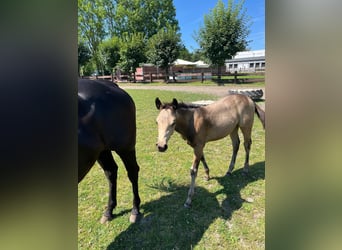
<point x="167" y="75"/>
<point x="219" y="74"/>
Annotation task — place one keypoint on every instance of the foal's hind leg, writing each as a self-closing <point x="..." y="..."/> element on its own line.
<point x="206" y="168"/>
<point x="234" y="136"/>
<point x="110" y="169"/>
<point x="247" y="131"/>
<point x="132" y="167"/>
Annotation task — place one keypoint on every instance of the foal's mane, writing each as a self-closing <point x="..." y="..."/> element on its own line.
<point x="182" y="105"/>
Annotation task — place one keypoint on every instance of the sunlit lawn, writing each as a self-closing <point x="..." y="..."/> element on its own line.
<point x="227" y="212"/>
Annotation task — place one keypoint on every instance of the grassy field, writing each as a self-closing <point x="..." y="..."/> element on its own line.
<point x="227" y="212"/>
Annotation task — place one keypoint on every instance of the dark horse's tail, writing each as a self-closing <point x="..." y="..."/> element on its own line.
<point x="261" y="114"/>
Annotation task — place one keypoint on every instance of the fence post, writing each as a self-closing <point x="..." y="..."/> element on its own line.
<point x="202" y="76"/>
<point x="235" y="77"/>
<point x="151" y="77"/>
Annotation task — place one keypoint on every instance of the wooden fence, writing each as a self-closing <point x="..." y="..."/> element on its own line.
<point x="226" y="77"/>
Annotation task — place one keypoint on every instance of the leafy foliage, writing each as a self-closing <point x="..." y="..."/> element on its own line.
<point x="132" y="52"/>
<point x="163" y="48"/>
<point x="109" y="20"/>
<point x="145" y="16"/>
<point x="83" y="55"/>
<point x="111" y="51"/>
<point x="224" y="32"/>
<point x="90" y="25"/>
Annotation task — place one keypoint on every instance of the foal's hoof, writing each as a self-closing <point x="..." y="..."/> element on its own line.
<point x="228" y="174"/>
<point x="105" y="219"/>
<point x="186" y="205"/>
<point x="133" y="218"/>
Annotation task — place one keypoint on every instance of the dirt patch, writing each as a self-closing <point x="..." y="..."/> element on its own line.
<point x="218" y="91"/>
<point x="214" y="90"/>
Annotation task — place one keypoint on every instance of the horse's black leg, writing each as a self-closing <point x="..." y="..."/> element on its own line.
<point x="132" y="167"/>
<point x="206" y="168"/>
<point x="110" y="169"/>
<point x="234" y="136"/>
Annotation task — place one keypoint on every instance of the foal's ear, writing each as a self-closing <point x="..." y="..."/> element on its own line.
<point x="174" y="103"/>
<point x="158" y="103"/>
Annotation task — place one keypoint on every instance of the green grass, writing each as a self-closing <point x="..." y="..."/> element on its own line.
<point x="260" y="84"/>
<point x="227" y="212"/>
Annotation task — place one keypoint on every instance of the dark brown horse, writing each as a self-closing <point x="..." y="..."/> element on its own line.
<point x="200" y="124"/>
<point x="106" y="122"/>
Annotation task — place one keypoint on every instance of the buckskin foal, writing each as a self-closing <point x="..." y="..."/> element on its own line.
<point x="200" y="124"/>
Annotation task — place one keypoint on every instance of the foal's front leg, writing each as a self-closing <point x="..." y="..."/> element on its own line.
<point x="198" y="154"/>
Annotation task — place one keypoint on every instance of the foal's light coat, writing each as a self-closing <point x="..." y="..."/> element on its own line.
<point x="200" y="124"/>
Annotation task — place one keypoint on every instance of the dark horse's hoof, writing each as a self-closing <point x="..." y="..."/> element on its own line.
<point x="228" y="174"/>
<point x="106" y="218"/>
<point x="135" y="218"/>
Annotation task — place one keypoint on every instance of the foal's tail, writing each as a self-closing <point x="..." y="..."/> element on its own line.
<point x="261" y="114"/>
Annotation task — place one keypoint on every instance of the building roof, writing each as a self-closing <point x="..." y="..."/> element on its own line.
<point x="181" y="62"/>
<point x="201" y="64"/>
<point x="246" y="59"/>
<point x="249" y="53"/>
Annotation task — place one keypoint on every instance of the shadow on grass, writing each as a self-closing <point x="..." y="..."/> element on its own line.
<point x="168" y="225"/>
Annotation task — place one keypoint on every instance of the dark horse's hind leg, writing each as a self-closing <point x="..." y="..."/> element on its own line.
<point x="132" y="167"/>
<point x="110" y="169"/>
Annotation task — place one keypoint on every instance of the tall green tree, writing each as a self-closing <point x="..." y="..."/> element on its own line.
<point x="224" y="32"/>
<point x="83" y="55"/>
<point x="163" y="48"/>
<point x="144" y="16"/>
<point x="132" y="52"/>
<point x="184" y="53"/>
<point x="91" y="28"/>
<point x="110" y="49"/>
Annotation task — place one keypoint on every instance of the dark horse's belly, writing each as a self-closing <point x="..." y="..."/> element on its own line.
<point x="106" y="116"/>
<point x="106" y="121"/>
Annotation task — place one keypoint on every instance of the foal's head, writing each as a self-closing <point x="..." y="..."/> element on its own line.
<point x="166" y="121"/>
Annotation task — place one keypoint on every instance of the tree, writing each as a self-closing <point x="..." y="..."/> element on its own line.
<point x="143" y="16"/>
<point x="91" y="26"/>
<point x="224" y="33"/>
<point x="184" y="53"/>
<point x="100" y="20"/>
<point x="197" y="55"/>
<point x="83" y="55"/>
<point x="163" y="48"/>
<point x="110" y="49"/>
<point x="132" y="52"/>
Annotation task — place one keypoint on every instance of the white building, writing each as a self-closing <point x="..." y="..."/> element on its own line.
<point x="247" y="61"/>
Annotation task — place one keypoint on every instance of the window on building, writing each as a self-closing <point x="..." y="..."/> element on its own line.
<point x="251" y="65"/>
<point x="230" y="66"/>
<point x="263" y="65"/>
<point x="235" y="66"/>
<point x="257" y="65"/>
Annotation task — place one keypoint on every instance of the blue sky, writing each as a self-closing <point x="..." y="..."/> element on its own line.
<point x="190" y="15"/>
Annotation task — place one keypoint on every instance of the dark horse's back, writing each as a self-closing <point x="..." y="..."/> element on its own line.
<point x="106" y="121"/>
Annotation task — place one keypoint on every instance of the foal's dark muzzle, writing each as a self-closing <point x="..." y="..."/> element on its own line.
<point x="162" y="149"/>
